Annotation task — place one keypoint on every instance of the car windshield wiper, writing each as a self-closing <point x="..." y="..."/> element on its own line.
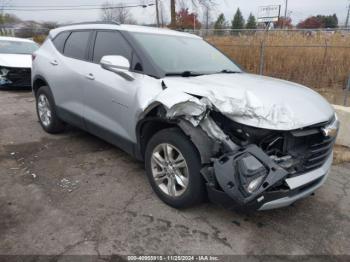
<point x="185" y="74"/>
<point x="227" y="71"/>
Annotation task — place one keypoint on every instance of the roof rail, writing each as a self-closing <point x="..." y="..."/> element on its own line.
<point x="94" y="22"/>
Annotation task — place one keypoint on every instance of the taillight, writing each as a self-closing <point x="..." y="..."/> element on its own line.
<point x="33" y="57"/>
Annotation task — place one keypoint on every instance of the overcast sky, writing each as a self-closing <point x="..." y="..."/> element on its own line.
<point x="300" y="9"/>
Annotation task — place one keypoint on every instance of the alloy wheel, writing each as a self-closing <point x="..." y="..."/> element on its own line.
<point x="44" y="110"/>
<point x="169" y="170"/>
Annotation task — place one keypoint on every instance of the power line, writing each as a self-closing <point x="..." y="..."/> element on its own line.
<point x="76" y="8"/>
<point x="58" y="6"/>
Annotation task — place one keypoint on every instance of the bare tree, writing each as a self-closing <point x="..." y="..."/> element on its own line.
<point x="173" y="13"/>
<point x="206" y="4"/>
<point x="107" y="14"/>
<point x="207" y="16"/>
<point x="116" y="13"/>
<point x="29" y="30"/>
<point x="50" y="25"/>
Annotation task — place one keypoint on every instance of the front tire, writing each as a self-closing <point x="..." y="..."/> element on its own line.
<point x="46" y="111"/>
<point x="173" y="169"/>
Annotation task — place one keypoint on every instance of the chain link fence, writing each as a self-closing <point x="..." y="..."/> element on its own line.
<point x="316" y="58"/>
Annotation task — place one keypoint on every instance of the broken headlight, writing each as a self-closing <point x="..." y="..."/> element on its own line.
<point x="239" y="133"/>
<point x="3" y="76"/>
<point x="251" y="172"/>
<point x="331" y="130"/>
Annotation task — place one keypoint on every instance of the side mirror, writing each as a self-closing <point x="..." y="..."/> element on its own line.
<point x="117" y="64"/>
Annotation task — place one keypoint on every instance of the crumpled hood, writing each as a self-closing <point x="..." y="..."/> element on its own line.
<point x="254" y="100"/>
<point x="16" y="60"/>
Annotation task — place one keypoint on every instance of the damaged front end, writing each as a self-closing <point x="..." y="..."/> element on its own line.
<point x="252" y="167"/>
<point x="272" y="168"/>
<point x="15" y="77"/>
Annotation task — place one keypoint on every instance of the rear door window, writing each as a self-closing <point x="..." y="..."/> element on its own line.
<point x="77" y="44"/>
<point x="111" y="43"/>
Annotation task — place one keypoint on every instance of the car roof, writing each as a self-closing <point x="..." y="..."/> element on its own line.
<point x="16" y="39"/>
<point x="128" y="28"/>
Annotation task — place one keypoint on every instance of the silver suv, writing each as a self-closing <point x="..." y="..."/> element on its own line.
<point x="202" y="126"/>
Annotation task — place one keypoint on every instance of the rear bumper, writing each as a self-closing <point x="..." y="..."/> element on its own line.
<point x="297" y="188"/>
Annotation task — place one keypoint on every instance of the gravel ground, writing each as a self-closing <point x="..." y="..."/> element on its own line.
<point x="75" y="194"/>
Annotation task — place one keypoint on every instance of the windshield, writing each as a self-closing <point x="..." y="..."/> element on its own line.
<point x="17" y="47"/>
<point x="178" y="54"/>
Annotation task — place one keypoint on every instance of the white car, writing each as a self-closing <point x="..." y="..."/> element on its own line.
<point x="200" y="123"/>
<point x="16" y="62"/>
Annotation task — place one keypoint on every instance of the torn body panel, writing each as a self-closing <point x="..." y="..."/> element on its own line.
<point x="254" y="100"/>
<point x="206" y="146"/>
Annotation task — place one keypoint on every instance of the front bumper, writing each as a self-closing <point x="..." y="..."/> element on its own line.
<point x="295" y="188"/>
<point x="301" y="186"/>
<point x="15" y="78"/>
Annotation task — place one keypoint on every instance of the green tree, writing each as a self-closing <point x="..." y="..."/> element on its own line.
<point x="251" y="23"/>
<point x="220" y="23"/>
<point x="330" y="21"/>
<point x="238" y="20"/>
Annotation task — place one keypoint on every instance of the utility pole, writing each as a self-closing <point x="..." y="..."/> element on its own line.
<point x="285" y="13"/>
<point x="207" y="14"/>
<point x="173" y="13"/>
<point x="286" y="9"/>
<point x="347" y="18"/>
<point x="161" y="13"/>
<point x="157" y="12"/>
<point x="194" y="22"/>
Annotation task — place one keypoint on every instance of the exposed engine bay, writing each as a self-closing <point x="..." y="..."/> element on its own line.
<point x="248" y="164"/>
<point x="296" y="151"/>
<point x="267" y="158"/>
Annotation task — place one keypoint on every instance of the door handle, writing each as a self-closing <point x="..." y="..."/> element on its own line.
<point x="90" y="76"/>
<point x="54" y="62"/>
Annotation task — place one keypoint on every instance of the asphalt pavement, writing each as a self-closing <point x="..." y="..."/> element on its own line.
<point x="75" y="194"/>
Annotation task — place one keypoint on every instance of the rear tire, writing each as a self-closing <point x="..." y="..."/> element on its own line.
<point x="180" y="167"/>
<point x="46" y="111"/>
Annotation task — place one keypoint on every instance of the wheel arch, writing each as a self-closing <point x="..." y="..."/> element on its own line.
<point x="152" y="121"/>
<point x="38" y="82"/>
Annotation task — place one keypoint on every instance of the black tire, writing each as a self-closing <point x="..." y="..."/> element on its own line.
<point x="195" y="191"/>
<point x="56" y="125"/>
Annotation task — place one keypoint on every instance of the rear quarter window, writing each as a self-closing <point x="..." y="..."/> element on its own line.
<point x="60" y="40"/>
<point x="76" y="45"/>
